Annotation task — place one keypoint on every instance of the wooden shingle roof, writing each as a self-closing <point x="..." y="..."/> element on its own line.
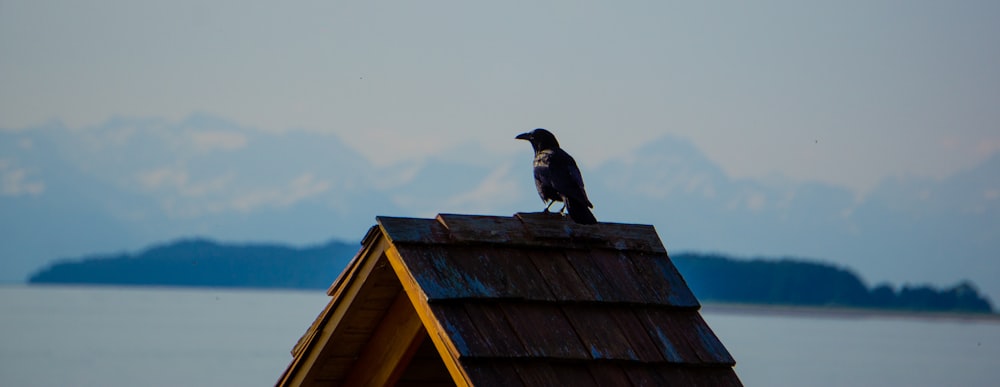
<point x="533" y="300"/>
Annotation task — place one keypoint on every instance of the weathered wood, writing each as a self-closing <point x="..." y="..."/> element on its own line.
<point x="613" y="332"/>
<point x="430" y="268"/>
<point x="348" y="343"/>
<point x="413" y="230"/>
<point x="499" y="272"/>
<point x="573" y="374"/>
<point x="522" y="230"/>
<point x="493" y="373"/>
<point x="680" y="375"/>
<point x="711" y="341"/>
<point x="608" y="374"/>
<point x="532" y="299"/>
<point x="544" y="373"/>
<point x="302" y="366"/>
<point x="361" y="319"/>
<point x="660" y="280"/>
<point x="474" y="272"/>
<point x="683" y="337"/>
<point x="537" y="374"/>
<point x="620" y="274"/>
<point x="426" y="369"/>
<point x="592" y="277"/>
<point x="305" y="339"/>
<point x="668" y="339"/>
<point x="439" y="335"/>
<point x="482" y="229"/>
<point x="617" y="236"/>
<point x="461" y="328"/>
<point x="472" y="267"/>
<point x="544" y="331"/>
<point x="528" y="372"/>
<point x="335" y="367"/>
<point x="546" y="225"/>
<point x="367" y="244"/>
<point x="498" y="336"/>
<point x="599" y="331"/>
<point x="524" y="279"/>
<point x="620" y="236"/>
<point x="338" y="285"/>
<point x="635" y="332"/>
<point x="560" y="276"/>
<point x="390" y="348"/>
<point x="356" y="328"/>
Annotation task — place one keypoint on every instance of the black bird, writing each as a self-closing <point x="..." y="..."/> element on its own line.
<point x="557" y="177"/>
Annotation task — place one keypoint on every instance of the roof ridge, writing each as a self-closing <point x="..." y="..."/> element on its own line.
<point x="522" y="229"/>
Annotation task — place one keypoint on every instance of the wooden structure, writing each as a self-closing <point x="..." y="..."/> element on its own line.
<point x="532" y="300"/>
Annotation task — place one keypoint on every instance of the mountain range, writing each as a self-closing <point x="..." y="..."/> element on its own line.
<point x="132" y="182"/>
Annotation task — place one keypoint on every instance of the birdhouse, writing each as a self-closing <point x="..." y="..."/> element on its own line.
<point x="528" y="300"/>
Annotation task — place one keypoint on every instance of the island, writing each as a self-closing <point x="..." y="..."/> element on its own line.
<point x="714" y="278"/>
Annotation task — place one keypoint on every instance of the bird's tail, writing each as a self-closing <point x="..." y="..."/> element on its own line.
<point x="580" y="212"/>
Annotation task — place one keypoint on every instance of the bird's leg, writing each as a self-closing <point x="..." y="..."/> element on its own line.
<point x="563" y="209"/>
<point x="551" y="202"/>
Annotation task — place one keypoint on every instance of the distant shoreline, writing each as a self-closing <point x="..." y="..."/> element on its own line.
<point x="710" y="307"/>
<point x="199" y="262"/>
<point x="103" y="286"/>
<point x="843" y="312"/>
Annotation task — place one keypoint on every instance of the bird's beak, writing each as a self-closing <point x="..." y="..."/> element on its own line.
<point x="524" y="136"/>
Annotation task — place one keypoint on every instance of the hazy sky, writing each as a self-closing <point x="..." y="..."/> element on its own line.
<point x="844" y="92"/>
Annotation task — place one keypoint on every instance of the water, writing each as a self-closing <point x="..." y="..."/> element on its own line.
<point x="81" y="336"/>
<point x="852" y="350"/>
<point x="84" y="336"/>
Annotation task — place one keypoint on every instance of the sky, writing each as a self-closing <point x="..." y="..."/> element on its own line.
<point x="846" y="93"/>
<point x="853" y="94"/>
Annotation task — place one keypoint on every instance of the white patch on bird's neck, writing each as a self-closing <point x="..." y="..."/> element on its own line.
<point x="542" y="158"/>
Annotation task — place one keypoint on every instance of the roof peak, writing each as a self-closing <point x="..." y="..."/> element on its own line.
<point x="522" y="229"/>
<point x="522" y="300"/>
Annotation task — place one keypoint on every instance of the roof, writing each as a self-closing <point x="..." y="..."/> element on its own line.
<point x="532" y="299"/>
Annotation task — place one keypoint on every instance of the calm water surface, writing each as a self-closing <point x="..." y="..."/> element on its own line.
<point x="85" y="336"/>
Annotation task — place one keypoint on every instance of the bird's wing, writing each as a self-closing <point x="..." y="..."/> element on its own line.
<point x="565" y="177"/>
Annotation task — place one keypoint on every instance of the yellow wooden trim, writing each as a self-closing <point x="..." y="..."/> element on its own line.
<point x="391" y="347"/>
<point x="449" y="354"/>
<point x="302" y="366"/>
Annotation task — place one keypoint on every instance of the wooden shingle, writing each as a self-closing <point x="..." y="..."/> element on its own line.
<point x="532" y="299"/>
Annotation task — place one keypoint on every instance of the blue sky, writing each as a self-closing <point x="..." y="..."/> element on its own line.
<point x="848" y="94"/>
